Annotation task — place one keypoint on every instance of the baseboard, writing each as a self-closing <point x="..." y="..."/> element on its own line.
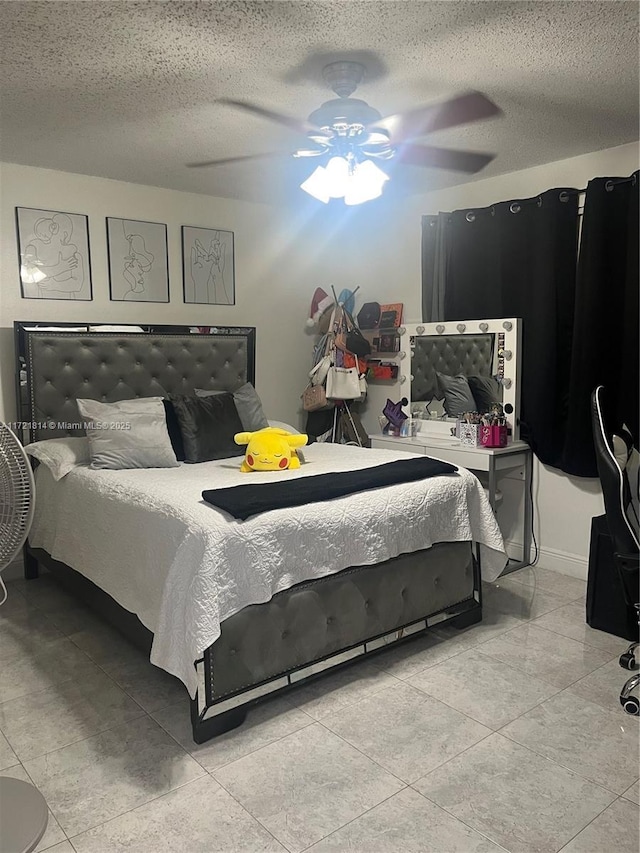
<point x="551" y="558"/>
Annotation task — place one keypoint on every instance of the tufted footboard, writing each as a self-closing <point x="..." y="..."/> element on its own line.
<point x="326" y="622"/>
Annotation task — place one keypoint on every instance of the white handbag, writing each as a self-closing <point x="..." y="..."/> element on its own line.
<point x="363" y="388"/>
<point x="343" y="383"/>
<point x="318" y="374"/>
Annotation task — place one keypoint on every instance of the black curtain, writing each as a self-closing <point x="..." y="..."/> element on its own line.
<point x="518" y="259"/>
<point x="605" y="334"/>
<point x="435" y="258"/>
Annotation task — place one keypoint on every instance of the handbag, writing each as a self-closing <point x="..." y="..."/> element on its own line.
<point x="343" y="383"/>
<point x="349" y="337"/>
<point x="314" y="397"/>
<point x="318" y="374"/>
<point x="357" y="343"/>
<point x="363" y="388"/>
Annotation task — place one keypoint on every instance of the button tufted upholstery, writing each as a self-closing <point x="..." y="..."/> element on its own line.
<point x="108" y="367"/>
<point x="471" y="355"/>
<point x="319" y="618"/>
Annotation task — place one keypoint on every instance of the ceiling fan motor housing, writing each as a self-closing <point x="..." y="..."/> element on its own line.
<point x="351" y="112"/>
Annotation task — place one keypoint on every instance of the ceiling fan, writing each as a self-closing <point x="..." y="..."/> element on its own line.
<point x="353" y="135"/>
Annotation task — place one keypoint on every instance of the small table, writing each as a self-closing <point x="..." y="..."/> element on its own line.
<point x="23" y="816"/>
<point x="489" y="459"/>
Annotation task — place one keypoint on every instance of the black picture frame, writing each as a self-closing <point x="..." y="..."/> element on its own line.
<point x="208" y="266"/>
<point x="54" y="254"/>
<point x="138" y="260"/>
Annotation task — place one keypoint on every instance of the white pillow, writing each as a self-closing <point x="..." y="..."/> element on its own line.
<point x="128" y="434"/>
<point x="60" y="455"/>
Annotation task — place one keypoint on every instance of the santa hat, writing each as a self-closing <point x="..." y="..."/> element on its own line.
<point x="319" y="304"/>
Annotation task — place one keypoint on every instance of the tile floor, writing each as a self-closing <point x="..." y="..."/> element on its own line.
<point x="505" y="737"/>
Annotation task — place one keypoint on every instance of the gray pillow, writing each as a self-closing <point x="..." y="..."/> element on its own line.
<point x="486" y="391"/>
<point x="456" y="394"/>
<point x="248" y="404"/>
<point x="128" y="434"/>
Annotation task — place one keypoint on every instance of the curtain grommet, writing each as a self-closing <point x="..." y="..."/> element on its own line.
<point x="470" y="217"/>
<point x="609" y="185"/>
<point x="564" y="196"/>
<point x="539" y="201"/>
<point x="514" y="207"/>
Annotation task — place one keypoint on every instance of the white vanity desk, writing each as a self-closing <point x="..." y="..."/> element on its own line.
<point x="517" y="454"/>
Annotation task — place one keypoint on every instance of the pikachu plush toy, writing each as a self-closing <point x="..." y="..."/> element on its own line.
<point x="270" y="449"/>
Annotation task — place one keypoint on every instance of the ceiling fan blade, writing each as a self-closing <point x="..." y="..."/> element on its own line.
<point x="442" y="158"/>
<point x="224" y="160"/>
<point x="464" y="109"/>
<point x="297" y="125"/>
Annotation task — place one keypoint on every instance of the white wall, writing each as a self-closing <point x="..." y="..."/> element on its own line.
<point x="276" y="262"/>
<point x="382" y="252"/>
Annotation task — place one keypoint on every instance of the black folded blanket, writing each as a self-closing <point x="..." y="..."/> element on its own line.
<point x="244" y="501"/>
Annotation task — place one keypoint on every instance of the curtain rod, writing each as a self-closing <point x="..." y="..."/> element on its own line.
<point x="564" y="195"/>
<point x="516" y="206"/>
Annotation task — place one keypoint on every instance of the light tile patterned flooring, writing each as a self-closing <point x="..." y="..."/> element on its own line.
<point x="505" y="737"/>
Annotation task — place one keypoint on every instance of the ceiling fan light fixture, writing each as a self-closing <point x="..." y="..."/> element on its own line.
<point x="365" y="184"/>
<point x="342" y="178"/>
<point x="337" y="174"/>
<point x="316" y="185"/>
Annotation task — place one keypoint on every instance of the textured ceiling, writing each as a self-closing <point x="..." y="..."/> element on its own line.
<point x="126" y="90"/>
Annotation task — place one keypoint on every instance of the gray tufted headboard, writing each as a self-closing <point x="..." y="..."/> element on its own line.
<point x="470" y="355"/>
<point x="57" y="367"/>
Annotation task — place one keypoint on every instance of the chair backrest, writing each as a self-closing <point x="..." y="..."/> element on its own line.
<point x="613" y="479"/>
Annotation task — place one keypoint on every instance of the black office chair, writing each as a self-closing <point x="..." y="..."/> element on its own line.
<point x="613" y="452"/>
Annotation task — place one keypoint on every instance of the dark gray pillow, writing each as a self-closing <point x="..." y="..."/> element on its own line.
<point x="248" y="404"/>
<point x="486" y="391"/>
<point x="208" y="425"/>
<point x="457" y="396"/>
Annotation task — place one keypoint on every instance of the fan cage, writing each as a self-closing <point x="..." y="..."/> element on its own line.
<point x="16" y="496"/>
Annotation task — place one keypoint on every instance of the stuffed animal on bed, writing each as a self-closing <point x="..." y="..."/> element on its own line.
<point x="270" y="449"/>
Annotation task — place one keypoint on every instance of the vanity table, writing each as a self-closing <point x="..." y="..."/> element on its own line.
<point x="491" y="460"/>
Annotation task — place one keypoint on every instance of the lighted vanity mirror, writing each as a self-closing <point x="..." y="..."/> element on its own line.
<point x="485" y="352"/>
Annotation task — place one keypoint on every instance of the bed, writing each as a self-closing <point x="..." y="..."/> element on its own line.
<point x="234" y="609"/>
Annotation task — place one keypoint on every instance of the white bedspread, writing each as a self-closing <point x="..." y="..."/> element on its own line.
<point x="147" y="538"/>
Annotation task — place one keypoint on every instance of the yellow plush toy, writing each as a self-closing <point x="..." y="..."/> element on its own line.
<point x="270" y="449"/>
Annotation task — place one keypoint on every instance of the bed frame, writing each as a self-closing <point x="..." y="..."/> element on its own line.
<point x="301" y="632"/>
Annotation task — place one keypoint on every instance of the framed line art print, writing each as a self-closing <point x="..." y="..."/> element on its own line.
<point x="208" y="269"/>
<point x="53" y="254"/>
<point x="138" y="261"/>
